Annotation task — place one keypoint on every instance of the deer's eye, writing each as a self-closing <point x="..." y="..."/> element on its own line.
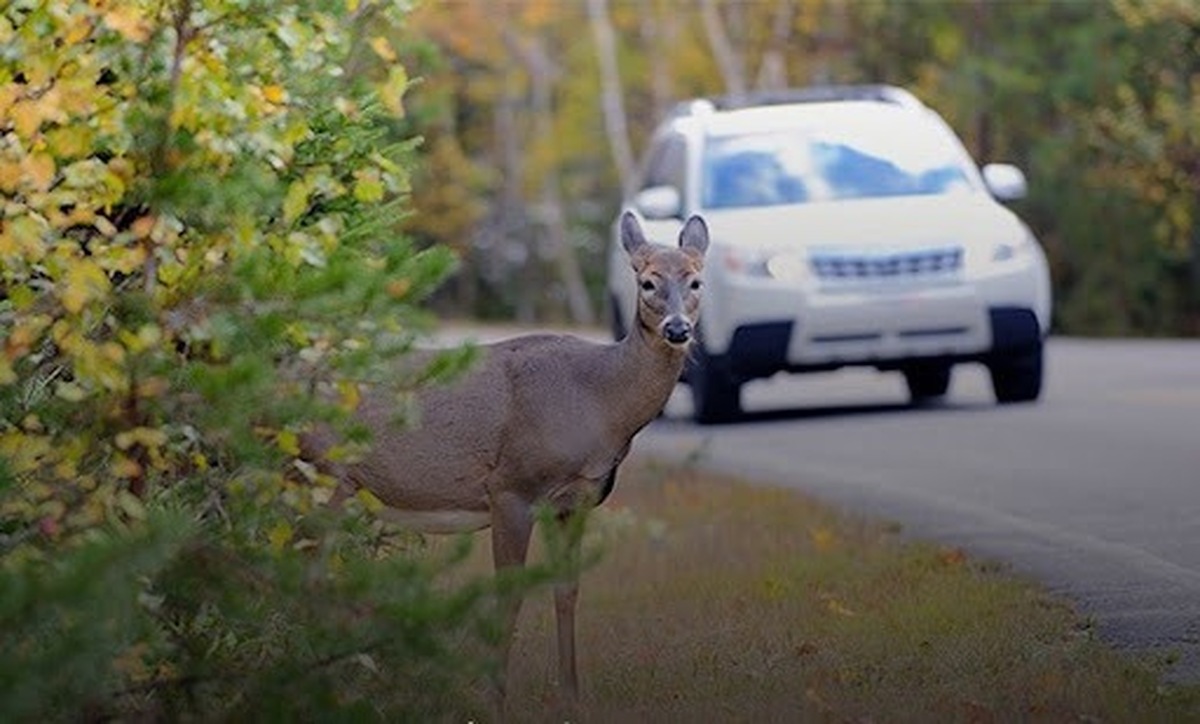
<point x="647" y="285"/>
<point x="695" y="285"/>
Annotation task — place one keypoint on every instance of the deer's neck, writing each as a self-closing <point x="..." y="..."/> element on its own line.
<point x="646" y="371"/>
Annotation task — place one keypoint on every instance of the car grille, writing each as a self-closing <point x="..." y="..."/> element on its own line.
<point x="889" y="265"/>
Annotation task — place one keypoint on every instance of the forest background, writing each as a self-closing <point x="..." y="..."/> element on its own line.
<point x="535" y="118"/>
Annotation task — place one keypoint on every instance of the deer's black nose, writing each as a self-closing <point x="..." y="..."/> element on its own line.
<point x="677" y="330"/>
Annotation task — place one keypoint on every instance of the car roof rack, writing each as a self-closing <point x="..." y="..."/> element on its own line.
<point x="811" y="94"/>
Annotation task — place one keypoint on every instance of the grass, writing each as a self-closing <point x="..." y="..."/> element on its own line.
<point x="720" y="601"/>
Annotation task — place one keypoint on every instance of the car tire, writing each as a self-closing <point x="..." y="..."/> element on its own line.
<point x="716" y="396"/>
<point x="1017" y="376"/>
<point x="927" y="381"/>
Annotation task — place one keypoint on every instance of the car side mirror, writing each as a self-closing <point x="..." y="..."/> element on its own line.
<point x="659" y="202"/>
<point x="1005" y="181"/>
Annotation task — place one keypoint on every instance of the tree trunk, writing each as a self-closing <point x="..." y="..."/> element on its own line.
<point x="542" y="72"/>
<point x="980" y="45"/>
<point x="505" y="235"/>
<point x="660" y="29"/>
<point x="729" y="62"/>
<point x="611" y="94"/>
<point x="772" y="72"/>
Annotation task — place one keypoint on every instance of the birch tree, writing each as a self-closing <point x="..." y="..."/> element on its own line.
<point x="612" y="100"/>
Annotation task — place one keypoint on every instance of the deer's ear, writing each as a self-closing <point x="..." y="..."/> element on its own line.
<point x="693" y="238"/>
<point x="632" y="237"/>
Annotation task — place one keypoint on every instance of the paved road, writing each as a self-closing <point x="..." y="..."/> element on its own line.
<point x="1094" y="491"/>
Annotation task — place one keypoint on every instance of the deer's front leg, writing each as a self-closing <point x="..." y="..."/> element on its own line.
<point x="566" y="594"/>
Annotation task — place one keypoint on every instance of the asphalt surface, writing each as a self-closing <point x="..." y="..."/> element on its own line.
<point x="1094" y="491"/>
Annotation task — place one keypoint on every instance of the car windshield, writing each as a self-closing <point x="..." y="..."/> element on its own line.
<point x="858" y="155"/>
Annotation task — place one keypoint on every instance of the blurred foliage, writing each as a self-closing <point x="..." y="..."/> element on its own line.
<point x="1097" y="101"/>
<point x="200" y="258"/>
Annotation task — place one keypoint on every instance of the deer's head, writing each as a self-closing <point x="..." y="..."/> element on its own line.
<point x="668" y="279"/>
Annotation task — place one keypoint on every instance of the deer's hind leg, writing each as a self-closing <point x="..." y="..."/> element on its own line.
<point x="512" y="524"/>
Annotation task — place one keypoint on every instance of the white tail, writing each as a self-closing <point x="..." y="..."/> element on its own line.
<point x="541" y="420"/>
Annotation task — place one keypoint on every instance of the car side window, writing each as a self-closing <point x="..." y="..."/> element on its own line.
<point x="668" y="165"/>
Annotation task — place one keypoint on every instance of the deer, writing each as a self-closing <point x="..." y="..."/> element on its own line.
<point x="541" y="420"/>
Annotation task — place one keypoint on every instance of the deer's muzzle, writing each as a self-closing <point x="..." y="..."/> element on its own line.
<point x="677" y="330"/>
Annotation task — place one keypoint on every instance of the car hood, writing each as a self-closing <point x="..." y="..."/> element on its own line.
<point x="867" y="224"/>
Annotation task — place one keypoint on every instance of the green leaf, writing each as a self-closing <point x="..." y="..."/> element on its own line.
<point x="295" y="201"/>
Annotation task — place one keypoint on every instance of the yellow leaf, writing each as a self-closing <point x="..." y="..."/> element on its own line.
<point x="295" y="201"/>
<point x="399" y="288"/>
<point x="774" y="588"/>
<point x="142" y="226"/>
<point x="147" y="336"/>
<point x="24" y="335"/>
<point x="104" y="226"/>
<point x="148" y="437"/>
<point x="124" y="467"/>
<point x="7" y="375"/>
<point x="348" y="396"/>
<point x="22" y="236"/>
<point x="153" y="387"/>
<point x="26" y="117"/>
<point x="39" y="170"/>
<point x="22" y="297"/>
<point x="78" y="95"/>
<point x="288" y="442"/>
<point x="383" y="48"/>
<point x="836" y="606"/>
<point x="49" y="105"/>
<point x="823" y="539"/>
<point x="78" y="31"/>
<point x="345" y="107"/>
<point x="369" y="501"/>
<point x="8" y="95"/>
<point x="85" y="282"/>
<point x="274" y="93"/>
<point x="128" y="21"/>
<point x="279" y="535"/>
<point x="10" y="176"/>
<point x="124" y="259"/>
<point x="67" y="142"/>
<point x="131" y="505"/>
<point x="391" y="91"/>
<point x="70" y="392"/>
<point x="368" y="187"/>
<point x="99" y="365"/>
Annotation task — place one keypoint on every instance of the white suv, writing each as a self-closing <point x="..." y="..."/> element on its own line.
<point x="849" y="226"/>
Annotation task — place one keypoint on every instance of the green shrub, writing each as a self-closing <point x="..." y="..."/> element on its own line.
<point x="198" y="261"/>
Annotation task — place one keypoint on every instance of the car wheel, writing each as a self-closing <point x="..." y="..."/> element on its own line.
<point x="716" y="396"/>
<point x="614" y="318"/>
<point x="927" y="381"/>
<point x="1017" y="376"/>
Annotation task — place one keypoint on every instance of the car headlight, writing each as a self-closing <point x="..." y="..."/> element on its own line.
<point x="788" y="267"/>
<point x="1000" y="253"/>
<point x="1005" y="251"/>
<point x="781" y="266"/>
<point x="1010" y="250"/>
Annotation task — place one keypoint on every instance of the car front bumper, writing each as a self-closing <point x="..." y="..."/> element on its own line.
<point x="769" y="327"/>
